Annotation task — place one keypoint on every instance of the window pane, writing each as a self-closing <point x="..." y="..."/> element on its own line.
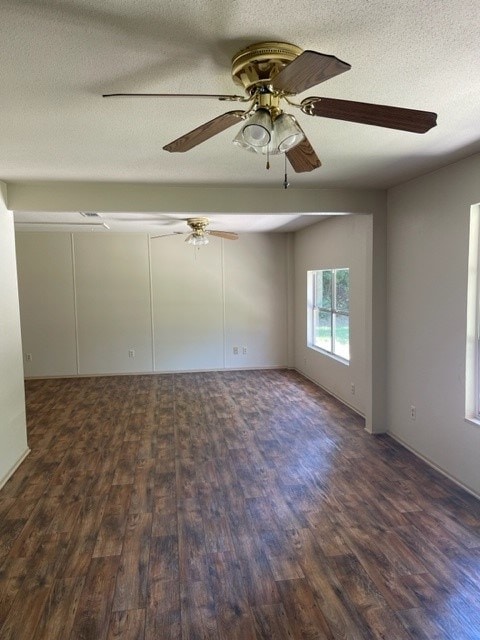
<point x="324" y="289"/>
<point x="342" y="281"/>
<point x="342" y="337"/>
<point x="322" y="335"/>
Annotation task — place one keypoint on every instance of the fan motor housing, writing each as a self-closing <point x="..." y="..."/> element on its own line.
<point x="198" y="225"/>
<point x="257" y="64"/>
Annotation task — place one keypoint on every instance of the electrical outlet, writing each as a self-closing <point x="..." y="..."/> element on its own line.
<point x="235" y="351"/>
<point x="244" y="351"/>
<point x="413" y="412"/>
<point x="28" y="357"/>
<point x="352" y="388"/>
<point x="131" y="353"/>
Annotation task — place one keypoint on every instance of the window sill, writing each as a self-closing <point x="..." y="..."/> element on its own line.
<point x="330" y="355"/>
<point x="472" y="420"/>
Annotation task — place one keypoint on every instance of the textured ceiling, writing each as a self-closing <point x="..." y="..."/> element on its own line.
<point x="58" y="57"/>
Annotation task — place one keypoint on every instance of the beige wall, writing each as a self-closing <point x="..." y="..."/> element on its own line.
<point x="188" y="305"/>
<point x="88" y="299"/>
<point x="256" y="300"/>
<point x="428" y="228"/>
<point x="112" y="293"/>
<point x="13" y="435"/>
<point x="45" y="275"/>
<point x="343" y="241"/>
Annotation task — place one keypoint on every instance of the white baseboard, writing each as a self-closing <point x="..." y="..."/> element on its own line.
<point x="330" y="393"/>
<point x="433" y="465"/>
<point x="157" y="373"/>
<point x="400" y="441"/>
<point x="4" y="479"/>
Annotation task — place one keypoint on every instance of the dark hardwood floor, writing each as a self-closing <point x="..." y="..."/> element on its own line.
<point x="227" y="506"/>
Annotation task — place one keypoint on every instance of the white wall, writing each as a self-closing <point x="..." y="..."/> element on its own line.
<point x="13" y="434"/>
<point x="112" y="293"/>
<point x="343" y="241"/>
<point x="256" y="301"/>
<point x="428" y="227"/>
<point x="93" y="297"/>
<point x="188" y="303"/>
<point x="45" y="274"/>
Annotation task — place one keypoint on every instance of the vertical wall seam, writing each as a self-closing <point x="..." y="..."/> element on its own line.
<point x="75" y="308"/>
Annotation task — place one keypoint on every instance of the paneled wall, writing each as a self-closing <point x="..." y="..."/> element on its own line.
<point x="112" y="292"/>
<point x="93" y="303"/>
<point x="188" y="305"/>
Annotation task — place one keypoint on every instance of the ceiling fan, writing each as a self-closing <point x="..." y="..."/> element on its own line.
<point x="271" y="73"/>
<point x="198" y="234"/>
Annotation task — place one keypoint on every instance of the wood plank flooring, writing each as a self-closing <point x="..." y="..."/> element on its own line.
<point x="227" y="506"/>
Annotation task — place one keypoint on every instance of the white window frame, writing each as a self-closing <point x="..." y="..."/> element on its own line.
<point x="314" y="308"/>
<point x="472" y="359"/>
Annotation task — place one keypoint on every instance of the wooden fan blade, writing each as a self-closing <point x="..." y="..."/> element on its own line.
<point x="309" y="69"/>
<point x="225" y="97"/>
<point x="204" y="132"/>
<point x="303" y="158"/>
<point x="228" y="235"/>
<point x="375" y="114"/>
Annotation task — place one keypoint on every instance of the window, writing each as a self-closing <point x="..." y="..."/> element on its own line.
<point x="329" y="322"/>
<point x="472" y="360"/>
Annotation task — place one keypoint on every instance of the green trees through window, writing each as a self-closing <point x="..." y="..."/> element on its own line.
<point x="329" y="328"/>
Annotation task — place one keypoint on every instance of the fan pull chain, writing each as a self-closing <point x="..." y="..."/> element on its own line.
<point x="268" y="158"/>
<point x="286" y="184"/>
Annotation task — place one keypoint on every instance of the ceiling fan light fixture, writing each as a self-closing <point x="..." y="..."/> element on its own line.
<point x="271" y="137"/>
<point x="257" y="131"/>
<point x="271" y="148"/>
<point x="240" y="142"/>
<point x="197" y="239"/>
<point x="287" y="132"/>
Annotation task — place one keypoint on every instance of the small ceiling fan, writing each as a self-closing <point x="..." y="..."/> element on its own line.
<point x="271" y="73"/>
<point x="198" y="234"/>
